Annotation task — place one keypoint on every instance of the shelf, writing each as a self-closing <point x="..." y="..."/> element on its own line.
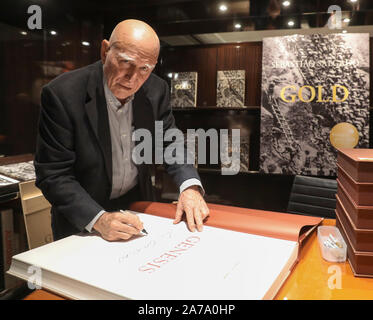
<point x="218" y="171"/>
<point x="16" y="159"/>
<point x="214" y="108"/>
<point x="9" y="197"/>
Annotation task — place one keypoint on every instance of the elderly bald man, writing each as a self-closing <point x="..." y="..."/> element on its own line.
<point x="83" y="160"/>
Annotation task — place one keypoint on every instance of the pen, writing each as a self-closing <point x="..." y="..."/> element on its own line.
<point x="143" y="231"/>
<point x="335" y="241"/>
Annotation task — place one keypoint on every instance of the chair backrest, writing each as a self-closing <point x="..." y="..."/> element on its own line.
<point x="313" y="196"/>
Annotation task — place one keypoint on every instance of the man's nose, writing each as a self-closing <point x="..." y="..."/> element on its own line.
<point x="130" y="74"/>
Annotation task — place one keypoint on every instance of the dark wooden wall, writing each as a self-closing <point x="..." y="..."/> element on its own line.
<point x="207" y="60"/>
<point x="22" y="76"/>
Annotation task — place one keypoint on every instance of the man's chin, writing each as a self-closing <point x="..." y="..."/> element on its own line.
<point x="122" y="93"/>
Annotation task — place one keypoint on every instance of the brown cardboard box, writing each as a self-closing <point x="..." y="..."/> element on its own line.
<point x="360" y="239"/>
<point x="360" y="192"/>
<point x="39" y="230"/>
<point x="358" y="163"/>
<point x="361" y="262"/>
<point x="36" y="211"/>
<point x="361" y="216"/>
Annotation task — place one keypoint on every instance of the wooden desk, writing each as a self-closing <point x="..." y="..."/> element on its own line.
<point x="308" y="281"/>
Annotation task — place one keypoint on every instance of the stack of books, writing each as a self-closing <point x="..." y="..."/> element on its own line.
<point x="354" y="211"/>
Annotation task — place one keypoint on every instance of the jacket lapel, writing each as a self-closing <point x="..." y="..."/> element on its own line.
<point x="143" y="116"/>
<point x="98" y="116"/>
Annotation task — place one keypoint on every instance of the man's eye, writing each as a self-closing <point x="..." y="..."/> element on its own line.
<point x="144" y="68"/>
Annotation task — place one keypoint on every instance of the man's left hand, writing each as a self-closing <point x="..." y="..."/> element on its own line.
<point x="192" y="203"/>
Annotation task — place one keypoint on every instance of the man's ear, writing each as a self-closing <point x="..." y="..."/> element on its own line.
<point x="104" y="49"/>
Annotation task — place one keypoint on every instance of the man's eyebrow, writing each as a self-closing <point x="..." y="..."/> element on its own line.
<point x="150" y="66"/>
<point x="125" y="56"/>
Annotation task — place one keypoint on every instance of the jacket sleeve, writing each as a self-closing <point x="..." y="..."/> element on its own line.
<point x="180" y="171"/>
<point x="54" y="163"/>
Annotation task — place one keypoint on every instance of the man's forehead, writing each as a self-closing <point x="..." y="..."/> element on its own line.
<point x="135" y="50"/>
<point x="134" y="55"/>
<point x="127" y="56"/>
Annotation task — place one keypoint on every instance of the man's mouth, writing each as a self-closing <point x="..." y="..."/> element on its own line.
<point x="125" y="87"/>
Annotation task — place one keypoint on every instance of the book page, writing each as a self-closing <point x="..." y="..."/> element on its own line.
<point x="170" y="262"/>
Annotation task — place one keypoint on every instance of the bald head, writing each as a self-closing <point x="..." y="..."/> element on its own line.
<point x="135" y="33"/>
<point x="129" y="57"/>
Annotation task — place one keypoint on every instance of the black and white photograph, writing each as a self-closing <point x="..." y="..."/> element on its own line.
<point x="244" y="151"/>
<point x="23" y="171"/>
<point x="231" y="88"/>
<point x="184" y="89"/>
<point x="191" y="143"/>
<point x="310" y="83"/>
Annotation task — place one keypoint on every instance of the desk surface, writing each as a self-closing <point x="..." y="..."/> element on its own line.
<point x="309" y="280"/>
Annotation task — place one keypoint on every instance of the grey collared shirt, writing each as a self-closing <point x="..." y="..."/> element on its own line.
<point x="125" y="174"/>
<point x="120" y="120"/>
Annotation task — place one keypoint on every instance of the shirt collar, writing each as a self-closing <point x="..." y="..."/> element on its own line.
<point x="111" y="99"/>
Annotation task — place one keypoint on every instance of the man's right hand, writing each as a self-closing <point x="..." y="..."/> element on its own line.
<point x="114" y="226"/>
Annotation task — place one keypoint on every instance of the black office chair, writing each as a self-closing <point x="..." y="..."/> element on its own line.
<point x="313" y="197"/>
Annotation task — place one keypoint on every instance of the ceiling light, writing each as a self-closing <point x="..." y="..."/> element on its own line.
<point x="170" y="75"/>
<point x="53" y="33"/>
<point x="86" y="43"/>
<point x="353" y="1"/>
<point x="347" y="20"/>
<point x="237" y="26"/>
<point x="223" y="7"/>
<point x="286" y="3"/>
<point x="290" y="23"/>
<point x="24" y="33"/>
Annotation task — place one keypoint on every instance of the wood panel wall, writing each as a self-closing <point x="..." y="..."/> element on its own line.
<point x="207" y="60"/>
<point x="22" y="77"/>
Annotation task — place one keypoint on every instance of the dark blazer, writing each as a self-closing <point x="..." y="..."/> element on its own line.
<point x="73" y="160"/>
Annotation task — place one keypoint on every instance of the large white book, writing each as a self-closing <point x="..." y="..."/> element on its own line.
<point x="169" y="263"/>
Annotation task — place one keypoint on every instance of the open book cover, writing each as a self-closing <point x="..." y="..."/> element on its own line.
<point x="241" y="254"/>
